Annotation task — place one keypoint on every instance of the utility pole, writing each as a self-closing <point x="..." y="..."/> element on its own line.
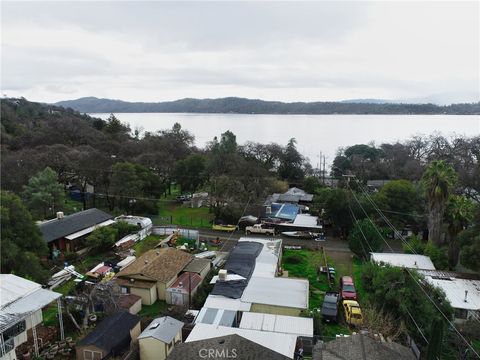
<point x="323" y="172"/>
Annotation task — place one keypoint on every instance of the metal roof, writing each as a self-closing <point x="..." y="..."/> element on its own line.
<point x="267" y="260"/>
<point x="216" y="316"/>
<point x="454" y="289"/>
<point x="410" y="261"/>
<point x="164" y="329"/>
<point x="277" y="291"/>
<point x="59" y="228"/>
<point x="281" y="343"/>
<point x="13" y="287"/>
<point x="222" y="302"/>
<point x="88" y="230"/>
<point x="277" y="323"/>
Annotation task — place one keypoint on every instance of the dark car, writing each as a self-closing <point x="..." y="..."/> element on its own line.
<point x="347" y="288"/>
<point x="330" y="307"/>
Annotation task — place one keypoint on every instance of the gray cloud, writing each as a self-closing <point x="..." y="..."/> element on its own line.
<point x="285" y="51"/>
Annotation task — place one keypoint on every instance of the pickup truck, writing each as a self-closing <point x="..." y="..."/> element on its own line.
<point x="259" y="229"/>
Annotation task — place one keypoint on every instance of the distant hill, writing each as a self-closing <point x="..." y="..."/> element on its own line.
<point x="251" y="106"/>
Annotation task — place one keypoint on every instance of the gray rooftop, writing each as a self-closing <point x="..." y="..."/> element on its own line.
<point x="361" y="347"/>
<point x="235" y="345"/>
<point x="163" y="329"/>
<point x="59" y="228"/>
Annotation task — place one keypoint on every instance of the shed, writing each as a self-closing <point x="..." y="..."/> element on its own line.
<point x="183" y="289"/>
<point x="159" y="338"/>
<point x="110" y="338"/>
<point x="130" y="302"/>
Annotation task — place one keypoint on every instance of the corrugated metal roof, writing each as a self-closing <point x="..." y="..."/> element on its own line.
<point x="410" y="261"/>
<point x="216" y="316"/>
<point x="221" y="302"/>
<point x="13" y="287"/>
<point x="163" y="329"/>
<point x="282" y="343"/>
<point x="455" y="288"/>
<point x="277" y="323"/>
<point x="277" y="291"/>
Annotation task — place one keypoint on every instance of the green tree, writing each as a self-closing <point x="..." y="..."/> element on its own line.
<point x="102" y="238"/>
<point x="190" y="173"/>
<point x="43" y="194"/>
<point x="364" y="238"/>
<point x="434" y="349"/>
<point x="311" y="184"/>
<point x="438" y="181"/>
<point x="401" y="199"/>
<point x="459" y="213"/>
<point x="22" y="243"/>
<point x="335" y="202"/>
<point x="291" y="163"/>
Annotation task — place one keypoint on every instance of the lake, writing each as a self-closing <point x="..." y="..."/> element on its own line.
<point x="315" y="134"/>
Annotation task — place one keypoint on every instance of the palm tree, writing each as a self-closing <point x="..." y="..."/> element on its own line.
<point x="459" y="213"/>
<point x="438" y="181"/>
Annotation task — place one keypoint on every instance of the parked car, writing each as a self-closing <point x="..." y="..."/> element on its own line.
<point x="259" y="229"/>
<point x="330" y="307"/>
<point x="353" y="313"/>
<point x="347" y="288"/>
<point x="182" y="198"/>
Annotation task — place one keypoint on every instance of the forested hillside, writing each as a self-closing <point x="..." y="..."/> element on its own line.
<point x="250" y="106"/>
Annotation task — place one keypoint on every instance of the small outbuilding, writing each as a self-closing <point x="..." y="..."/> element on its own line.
<point x="130" y="302"/>
<point x="157" y="341"/>
<point x="111" y="337"/>
<point x="200" y="266"/>
<point x="183" y="289"/>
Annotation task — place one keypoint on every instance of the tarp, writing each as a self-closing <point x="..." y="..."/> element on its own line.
<point x="240" y="262"/>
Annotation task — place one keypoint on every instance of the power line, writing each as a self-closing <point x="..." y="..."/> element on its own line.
<point x="413" y="277"/>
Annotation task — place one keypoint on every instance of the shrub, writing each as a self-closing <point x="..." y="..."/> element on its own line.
<point x="294" y="259"/>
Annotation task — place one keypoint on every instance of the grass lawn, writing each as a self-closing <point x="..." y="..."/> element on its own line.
<point x="146" y="244"/>
<point x="357" y="275"/>
<point x="65" y="288"/>
<point x="153" y="311"/>
<point x="184" y="216"/>
<point x="50" y="315"/>
<point x="306" y="267"/>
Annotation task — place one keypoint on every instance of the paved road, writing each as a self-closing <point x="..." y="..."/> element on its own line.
<point x="230" y="240"/>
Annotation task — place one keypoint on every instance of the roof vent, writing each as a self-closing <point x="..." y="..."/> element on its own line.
<point x="154" y="325"/>
<point x="221" y="341"/>
<point x="466" y="293"/>
<point x="146" y="261"/>
<point x="222" y="275"/>
<point x="132" y="280"/>
<point x="60" y="215"/>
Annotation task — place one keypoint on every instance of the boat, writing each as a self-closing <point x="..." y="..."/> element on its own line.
<point x="300" y="234"/>
<point x="224" y="227"/>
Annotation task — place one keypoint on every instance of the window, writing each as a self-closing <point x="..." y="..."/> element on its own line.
<point x="14" y="330"/>
<point x="92" y="355"/>
<point x="124" y="289"/>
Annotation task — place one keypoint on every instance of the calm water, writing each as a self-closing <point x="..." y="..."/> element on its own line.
<point x="315" y="134"/>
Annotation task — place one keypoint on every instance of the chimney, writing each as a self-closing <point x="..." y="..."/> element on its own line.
<point x="466" y="293"/>
<point x="60" y="215"/>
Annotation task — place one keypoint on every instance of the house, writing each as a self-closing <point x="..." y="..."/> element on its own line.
<point x="409" y="261"/>
<point x="461" y="290"/>
<point x="361" y="347"/>
<point x="199" y="266"/>
<point x="283" y="344"/>
<point x="159" y="338"/>
<point x="144" y="224"/>
<point x="21" y="303"/>
<point x="183" y="289"/>
<point x="249" y="300"/>
<point x="130" y="302"/>
<point x="111" y="337"/>
<point x="68" y="233"/>
<point x="226" y="347"/>
<point x="151" y="274"/>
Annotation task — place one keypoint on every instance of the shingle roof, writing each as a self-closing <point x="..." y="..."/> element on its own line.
<point x="126" y="301"/>
<point x="58" y="228"/>
<point x="163" y="329"/>
<point x="362" y="347"/>
<point x="235" y="345"/>
<point x="159" y="264"/>
<point x="113" y="333"/>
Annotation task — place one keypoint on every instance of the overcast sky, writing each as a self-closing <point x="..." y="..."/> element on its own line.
<point x="155" y="51"/>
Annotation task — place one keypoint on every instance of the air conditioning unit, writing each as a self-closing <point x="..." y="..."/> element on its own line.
<point x="222" y="275"/>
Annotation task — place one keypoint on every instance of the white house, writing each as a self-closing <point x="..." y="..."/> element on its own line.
<point x="21" y="303"/>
